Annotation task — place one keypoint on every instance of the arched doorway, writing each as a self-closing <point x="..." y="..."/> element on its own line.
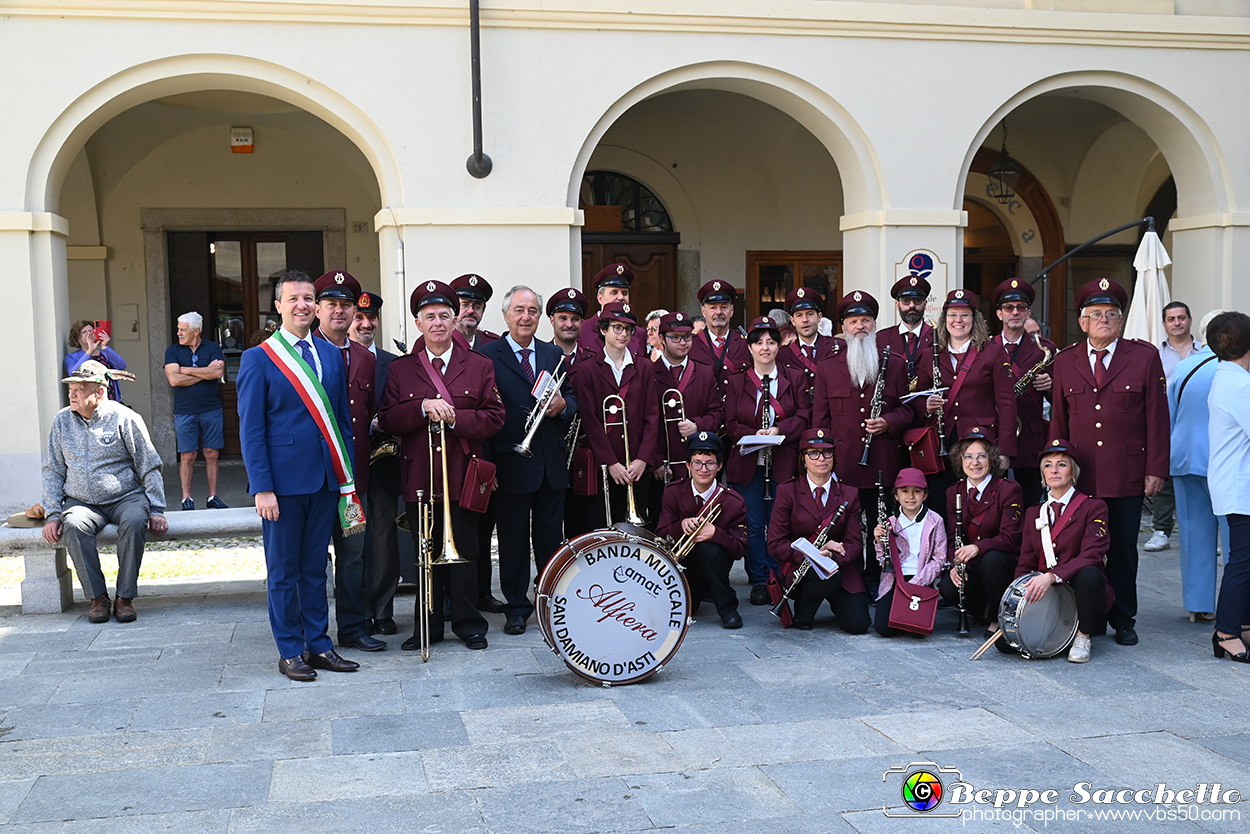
<point x="989" y="256"/>
<point x="626" y="223"/>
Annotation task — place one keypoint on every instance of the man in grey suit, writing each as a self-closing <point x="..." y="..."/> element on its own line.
<point x="382" y="546"/>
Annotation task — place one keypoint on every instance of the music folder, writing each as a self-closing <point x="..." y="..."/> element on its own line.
<point x="821" y="563"/>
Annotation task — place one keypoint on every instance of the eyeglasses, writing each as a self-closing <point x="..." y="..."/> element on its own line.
<point x="704" y="464"/>
<point x="679" y="337"/>
<point x="1015" y="308"/>
<point x="819" y="454"/>
<point x="1099" y="315"/>
<point x="981" y="457"/>
<point x="621" y="328"/>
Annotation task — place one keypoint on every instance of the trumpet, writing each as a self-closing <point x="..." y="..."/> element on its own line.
<point x="708" y="515"/>
<point x="449" y="554"/>
<point x="802" y="570"/>
<point x="614" y="406"/>
<point x="535" y="418"/>
<point x="674" y="405"/>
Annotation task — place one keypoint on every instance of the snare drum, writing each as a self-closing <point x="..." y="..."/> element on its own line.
<point x="613" y="606"/>
<point x="1038" y="629"/>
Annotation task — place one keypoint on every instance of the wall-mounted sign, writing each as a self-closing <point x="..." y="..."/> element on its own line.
<point x="924" y="263"/>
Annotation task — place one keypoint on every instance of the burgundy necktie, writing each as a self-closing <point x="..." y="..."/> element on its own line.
<point x="347" y="358"/>
<point x="525" y="363"/>
<point x="819" y="494"/>
<point x="811" y="352"/>
<point x="1056" y="510"/>
<point x="1099" y="370"/>
<point x="910" y="339"/>
<point x="698" y="501"/>
<point x="437" y="362"/>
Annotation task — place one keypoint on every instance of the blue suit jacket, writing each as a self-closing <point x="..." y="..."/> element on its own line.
<point x="517" y="474"/>
<point x="283" y="449"/>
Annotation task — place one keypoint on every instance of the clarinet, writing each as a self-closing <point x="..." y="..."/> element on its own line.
<point x="878" y="400"/>
<point x="802" y="570"/>
<point x="961" y="567"/>
<point x="883" y="520"/>
<point x="766" y="422"/>
<point x="937" y="383"/>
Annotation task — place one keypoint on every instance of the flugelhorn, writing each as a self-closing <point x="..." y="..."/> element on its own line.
<point x="614" y="406"/>
<point x="674" y="405"/>
<point x="449" y="555"/>
<point x="708" y="515"/>
<point x="535" y="418"/>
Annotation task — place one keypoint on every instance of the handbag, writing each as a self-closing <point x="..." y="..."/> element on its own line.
<point x="775" y="593"/>
<point x="913" y="607"/>
<point x="583" y="474"/>
<point x="922" y="446"/>
<point x="479" y="483"/>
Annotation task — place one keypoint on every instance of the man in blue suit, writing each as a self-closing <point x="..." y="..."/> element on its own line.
<point x="528" y="486"/>
<point x="292" y="471"/>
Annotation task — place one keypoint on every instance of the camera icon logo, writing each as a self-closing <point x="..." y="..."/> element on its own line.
<point x="923" y="786"/>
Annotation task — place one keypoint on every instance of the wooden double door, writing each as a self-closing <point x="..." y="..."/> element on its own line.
<point x="652" y="257"/>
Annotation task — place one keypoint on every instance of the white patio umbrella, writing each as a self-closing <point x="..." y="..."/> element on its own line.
<point x="1145" y="314"/>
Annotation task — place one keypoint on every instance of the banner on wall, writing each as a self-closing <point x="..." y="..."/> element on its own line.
<point x="924" y="263"/>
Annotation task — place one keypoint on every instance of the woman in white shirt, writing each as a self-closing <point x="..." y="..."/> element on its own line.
<point x="1228" y="477"/>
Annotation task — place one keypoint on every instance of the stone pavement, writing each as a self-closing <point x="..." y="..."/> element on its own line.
<point x="181" y="722"/>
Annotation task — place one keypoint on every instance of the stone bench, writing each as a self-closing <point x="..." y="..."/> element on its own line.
<point x="47" y="588"/>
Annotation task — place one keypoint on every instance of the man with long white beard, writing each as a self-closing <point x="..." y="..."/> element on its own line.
<point x="845" y="384"/>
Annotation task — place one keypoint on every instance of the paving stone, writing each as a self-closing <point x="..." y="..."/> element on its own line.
<point x="56" y="720"/>
<point x="663" y="713"/>
<point x="923" y="731"/>
<point x="118" y="751"/>
<point x="1144" y="759"/>
<point x="701" y="749"/>
<point x="25" y="691"/>
<point x="182" y="822"/>
<point x="495" y="765"/>
<point x="455" y="812"/>
<point x="215" y="654"/>
<point x="468" y="693"/>
<point x="872" y="822"/>
<point x="146" y="682"/>
<point x="582" y="805"/>
<point x="211" y="710"/>
<point x="566" y="720"/>
<point x="395" y="733"/>
<point x="845" y="738"/>
<point x="269" y="740"/>
<point x="347" y="777"/>
<point x="621" y="755"/>
<point x="1235" y="747"/>
<point x="138" y="635"/>
<point x="15" y="663"/>
<point x="90" y="663"/>
<point x="145" y="791"/>
<point x="12" y="793"/>
<point x="312" y="700"/>
<point x="825" y="789"/>
<point x="709" y="796"/>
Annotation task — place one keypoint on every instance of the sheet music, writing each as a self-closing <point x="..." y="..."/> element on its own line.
<point x="754" y="442"/>
<point x="824" y="566"/>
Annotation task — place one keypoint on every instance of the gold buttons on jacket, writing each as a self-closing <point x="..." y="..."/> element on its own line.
<point x="1098" y="406"/>
<point x="1097" y="425"/>
<point x="1099" y="442"/>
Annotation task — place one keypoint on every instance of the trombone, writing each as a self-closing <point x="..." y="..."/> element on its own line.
<point x="674" y="405"/>
<point x="708" y="515"/>
<point x="614" y="406"/>
<point x="539" y="411"/>
<point x="425" y="573"/>
<point x="449" y="555"/>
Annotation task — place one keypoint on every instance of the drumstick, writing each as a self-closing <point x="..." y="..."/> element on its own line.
<point x="985" y="646"/>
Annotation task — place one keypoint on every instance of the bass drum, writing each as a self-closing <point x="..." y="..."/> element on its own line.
<point x="1038" y="629"/>
<point x="613" y="606"/>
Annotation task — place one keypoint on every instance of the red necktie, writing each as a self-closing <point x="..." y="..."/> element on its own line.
<point x="819" y="494"/>
<point x="698" y="501"/>
<point x="1056" y="511"/>
<point x="437" y="362"/>
<point x="720" y="344"/>
<point x="910" y="339"/>
<point x="811" y="352"/>
<point x="972" y="496"/>
<point x="1099" y="370"/>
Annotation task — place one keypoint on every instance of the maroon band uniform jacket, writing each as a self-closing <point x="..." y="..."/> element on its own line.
<point x="807" y="359"/>
<point x="362" y="402"/>
<point x="470" y="379"/>
<point x="735" y="356"/>
<point x="796" y="515"/>
<point x="703" y="405"/>
<point x="1121" y="430"/>
<point x="742" y="418"/>
<point x="1081" y="540"/>
<point x="991" y="523"/>
<point x="731" y="524"/>
<point x="1034" y="428"/>
<point x="593" y="382"/>
<point x="986" y="400"/>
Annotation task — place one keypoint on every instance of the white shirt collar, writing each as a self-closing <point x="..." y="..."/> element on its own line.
<point x="629" y="359"/>
<point x="292" y="338"/>
<point x="1007" y="341"/>
<point x="1089" y="350"/>
<point x="670" y="365"/>
<point x="445" y="356"/>
<point x="707" y="496"/>
<point x="1065" y="499"/>
<point x="828" y="485"/>
<point x="812" y="343"/>
<point x="984" y="484"/>
<point x="960" y="351"/>
<point x="903" y="329"/>
<point x="373" y="348"/>
<point x="516" y="346"/>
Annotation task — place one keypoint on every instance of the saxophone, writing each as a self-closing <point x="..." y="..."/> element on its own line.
<point x="1023" y="383"/>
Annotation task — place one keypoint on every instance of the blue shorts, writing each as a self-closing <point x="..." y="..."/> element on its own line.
<point x="199" y="431"/>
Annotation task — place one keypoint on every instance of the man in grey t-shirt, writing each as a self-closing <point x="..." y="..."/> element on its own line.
<point x="102" y="468"/>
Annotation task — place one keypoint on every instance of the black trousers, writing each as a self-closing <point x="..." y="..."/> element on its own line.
<point x="460" y="581"/>
<point x="1030" y="480"/>
<point x="1122" y="529"/>
<point x="938" y="484"/>
<point x="989" y="574"/>
<point x="349" y="580"/>
<point x="381" y="553"/>
<point x="620" y="500"/>
<point x="869" y="566"/>
<point x="881" y="617"/>
<point x="707" y="573"/>
<point x="577" y="513"/>
<point x="1091" y="597"/>
<point x="528" y="520"/>
<point x="850" y="610"/>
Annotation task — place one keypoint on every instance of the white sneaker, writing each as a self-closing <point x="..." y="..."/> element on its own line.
<point x="1079" y="653"/>
<point x="1158" y="542"/>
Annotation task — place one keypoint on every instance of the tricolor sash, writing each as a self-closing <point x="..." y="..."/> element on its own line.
<point x="304" y="380"/>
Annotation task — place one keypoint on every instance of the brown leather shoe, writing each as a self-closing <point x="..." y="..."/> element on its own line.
<point x="99" y="609"/>
<point x="296" y="669"/>
<point x="124" y="610"/>
<point x="330" y="661"/>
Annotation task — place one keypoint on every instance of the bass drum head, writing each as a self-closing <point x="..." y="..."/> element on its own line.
<point x="613" y="607"/>
<point x="1038" y="629"/>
